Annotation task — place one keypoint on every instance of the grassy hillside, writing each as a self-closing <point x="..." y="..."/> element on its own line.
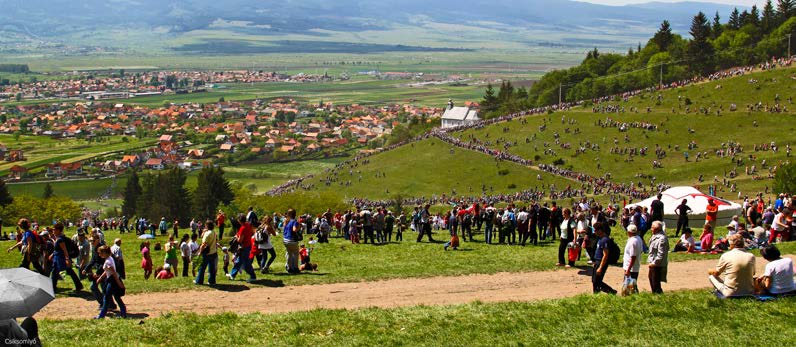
<point x="431" y="167"/>
<point x="709" y="132"/>
<point x="600" y="320"/>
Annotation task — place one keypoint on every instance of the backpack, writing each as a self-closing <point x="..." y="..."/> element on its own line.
<point x="468" y="219"/>
<point x="72" y="251"/>
<point x="643" y="226"/>
<point x="613" y="252"/>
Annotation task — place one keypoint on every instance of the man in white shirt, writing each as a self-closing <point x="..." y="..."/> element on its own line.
<point x="630" y="260"/>
<point x="116" y="252"/>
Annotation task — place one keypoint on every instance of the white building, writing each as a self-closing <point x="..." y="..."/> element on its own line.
<point x="455" y="116"/>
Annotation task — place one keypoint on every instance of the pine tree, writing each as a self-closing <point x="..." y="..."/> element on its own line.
<point x="490" y="102"/>
<point x="5" y="197"/>
<point x="131" y="193"/>
<point x="785" y="9"/>
<point x="716" y="28"/>
<point x="754" y="17"/>
<point x="769" y="17"/>
<point x="212" y="189"/>
<point x="735" y="19"/>
<point x="663" y="38"/>
<point x="48" y="191"/>
<point x="700" y="51"/>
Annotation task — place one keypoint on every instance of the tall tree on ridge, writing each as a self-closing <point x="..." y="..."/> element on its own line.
<point x="700" y="51"/>
<point x="663" y="38"/>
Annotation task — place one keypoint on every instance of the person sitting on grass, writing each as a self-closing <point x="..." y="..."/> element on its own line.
<point x="686" y="242"/>
<point x="738" y="267"/>
<point x="706" y="239"/>
<point x="304" y="258"/>
<point x="777" y="278"/>
<point x="165" y="273"/>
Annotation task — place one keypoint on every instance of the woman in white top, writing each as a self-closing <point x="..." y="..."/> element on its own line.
<point x="110" y="281"/>
<point x="568" y="226"/>
<point x="185" y="253"/>
<point x="778" y="277"/>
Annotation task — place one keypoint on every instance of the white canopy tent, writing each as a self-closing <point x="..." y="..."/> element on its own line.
<point x="698" y="203"/>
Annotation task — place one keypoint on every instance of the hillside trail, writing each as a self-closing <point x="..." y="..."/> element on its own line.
<point x="499" y="287"/>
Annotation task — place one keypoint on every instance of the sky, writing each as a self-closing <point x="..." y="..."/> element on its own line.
<point x="727" y="2"/>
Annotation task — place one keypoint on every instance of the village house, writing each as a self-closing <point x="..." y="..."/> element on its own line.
<point x="18" y="172"/>
<point x="64" y="169"/>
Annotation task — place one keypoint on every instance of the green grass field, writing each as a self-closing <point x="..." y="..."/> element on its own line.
<point x="89" y="189"/>
<point x="340" y="261"/>
<point x="711" y="131"/>
<point x="674" y="319"/>
<point x="41" y="150"/>
<point x="429" y="168"/>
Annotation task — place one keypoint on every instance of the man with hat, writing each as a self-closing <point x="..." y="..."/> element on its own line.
<point x="633" y="249"/>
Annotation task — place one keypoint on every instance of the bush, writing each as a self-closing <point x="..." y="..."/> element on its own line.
<point x="503" y="172"/>
<point x="512" y="186"/>
<point x="688" y="101"/>
<point x="558" y="162"/>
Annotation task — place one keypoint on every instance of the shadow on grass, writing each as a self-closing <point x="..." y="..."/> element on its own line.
<point x="234" y="288"/>
<point x="303" y="273"/>
<point x="269" y="283"/>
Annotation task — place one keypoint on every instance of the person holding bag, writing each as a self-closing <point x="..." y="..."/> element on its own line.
<point x="567" y="235"/>
<point x="291" y="236"/>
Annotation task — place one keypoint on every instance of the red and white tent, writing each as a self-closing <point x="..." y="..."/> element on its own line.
<point x="698" y="203"/>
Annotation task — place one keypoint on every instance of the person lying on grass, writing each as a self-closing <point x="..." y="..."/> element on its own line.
<point x="777" y="278"/>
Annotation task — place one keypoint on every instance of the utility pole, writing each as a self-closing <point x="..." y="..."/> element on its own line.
<point x="660" y="80"/>
<point x="559" y="94"/>
<point x="789" y="35"/>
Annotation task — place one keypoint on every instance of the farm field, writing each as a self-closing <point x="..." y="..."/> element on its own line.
<point x="589" y="319"/>
<point x="41" y="150"/>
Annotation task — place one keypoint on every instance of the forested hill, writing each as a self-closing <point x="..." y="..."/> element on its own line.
<point x="713" y="44"/>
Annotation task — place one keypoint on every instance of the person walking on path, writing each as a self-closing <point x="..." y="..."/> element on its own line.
<point x="658" y="257"/>
<point x="291" y="237"/>
<point x="601" y="262"/>
<point x="60" y="259"/>
<point x="244" y="237"/>
<point x="29" y="246"/>
<point x="114" y="288"/>
<point x="209" y="252"/>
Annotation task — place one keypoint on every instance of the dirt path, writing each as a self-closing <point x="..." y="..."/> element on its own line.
<point x="525" y="286"/>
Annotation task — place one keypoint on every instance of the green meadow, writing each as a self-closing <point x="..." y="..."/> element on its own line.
<point x="601" y="320"/>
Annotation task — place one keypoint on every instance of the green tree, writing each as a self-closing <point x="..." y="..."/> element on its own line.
<point x="769" y="20"/>
<point x="735" y="19"/>
<point x="716" y="28"/>
<point x="664" y="36"/>
<point x="785" y="9"/>
<point x="212" y="189"/>
<point x="132" y="191"/>
<point x="490" y="102"/>
<point x="5" y="196"/>
<point x="48" y="191"/>
<point x="700" y="51"/>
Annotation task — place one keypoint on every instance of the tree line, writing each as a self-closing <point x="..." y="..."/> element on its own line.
<point x="747" y="37"/>
<point x="164" y="194"/>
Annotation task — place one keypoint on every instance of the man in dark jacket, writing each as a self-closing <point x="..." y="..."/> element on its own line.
<point x="657" y="209"/>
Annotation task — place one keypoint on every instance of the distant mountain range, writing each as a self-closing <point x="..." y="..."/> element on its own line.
<point x="90" y="21"/>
